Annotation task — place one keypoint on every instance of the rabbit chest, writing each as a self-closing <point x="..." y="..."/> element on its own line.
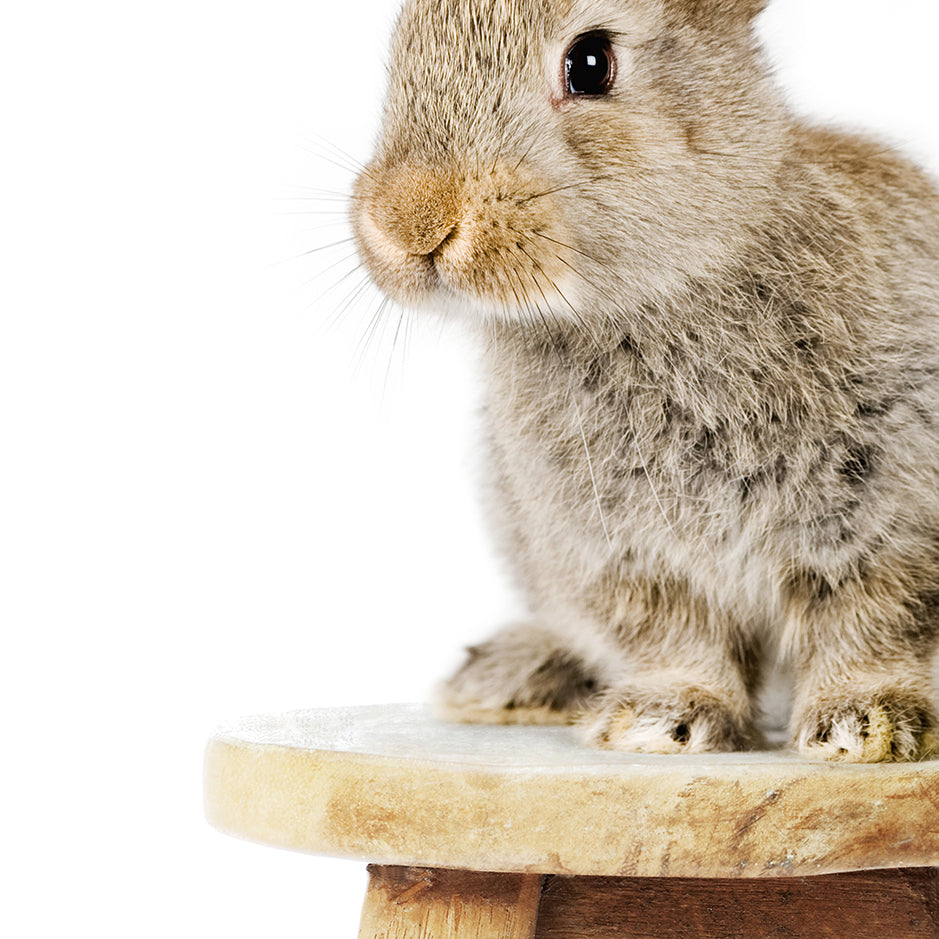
<point x="695" y="462"/>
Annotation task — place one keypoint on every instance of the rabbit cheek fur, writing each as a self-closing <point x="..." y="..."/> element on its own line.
<point x="710" y="336"/>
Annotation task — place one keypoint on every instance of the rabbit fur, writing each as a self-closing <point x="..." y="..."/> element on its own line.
<point x="710" y="339"/>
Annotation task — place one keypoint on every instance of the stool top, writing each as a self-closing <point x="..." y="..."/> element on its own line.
<point x="392" y="785"/>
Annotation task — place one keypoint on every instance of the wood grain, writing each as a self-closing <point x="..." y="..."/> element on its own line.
<point x="896" y="904"/>
<point x="423" y="903"/>
<point x="392" y="785"/>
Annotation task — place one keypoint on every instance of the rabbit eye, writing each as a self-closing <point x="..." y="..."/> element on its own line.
<point x="589" y="65"/>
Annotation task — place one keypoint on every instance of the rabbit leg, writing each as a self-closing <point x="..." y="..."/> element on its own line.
<point x="522" y="675"/>
<point x="863" y="651"/>
<point x="688" y="678"/>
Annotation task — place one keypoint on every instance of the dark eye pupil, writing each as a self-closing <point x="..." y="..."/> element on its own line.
<point x="588" y="66"/>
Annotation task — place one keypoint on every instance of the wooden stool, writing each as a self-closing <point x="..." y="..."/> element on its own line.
<point x="521" y="832"/>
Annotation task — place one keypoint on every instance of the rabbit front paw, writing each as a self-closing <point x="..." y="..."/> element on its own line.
<point x="520" y="676"/>
<point x="886" y="727"/>
<point x="684" y="720"/>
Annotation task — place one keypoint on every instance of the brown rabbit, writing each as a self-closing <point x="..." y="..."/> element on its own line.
<point x="710" y="331"/>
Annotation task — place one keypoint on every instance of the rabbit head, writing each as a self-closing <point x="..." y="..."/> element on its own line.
<point x="560" y="162"/>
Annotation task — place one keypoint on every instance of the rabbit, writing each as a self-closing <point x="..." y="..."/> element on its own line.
<point x="709" y="334"/>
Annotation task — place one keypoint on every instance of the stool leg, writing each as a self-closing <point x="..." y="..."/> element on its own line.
<point x="429" y="903"/>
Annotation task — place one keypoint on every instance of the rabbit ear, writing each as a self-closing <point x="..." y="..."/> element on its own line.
<point x="716" y="11"/>
<point x="750" y="8"/>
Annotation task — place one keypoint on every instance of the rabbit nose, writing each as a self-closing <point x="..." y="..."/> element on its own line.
<point x="417" y="208"/>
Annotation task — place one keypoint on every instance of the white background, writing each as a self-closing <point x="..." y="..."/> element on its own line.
<point x="214" y="502"/>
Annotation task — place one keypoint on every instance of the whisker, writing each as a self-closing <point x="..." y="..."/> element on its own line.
<point x="351" y="162"/>
<point x="518" y="299"/>
<point x="535" y="308"/>
<point x="548" y="192"/>
<point x="535" y="281"/>
<point x="345" y="277"/>
<point x="581" y="322"/>
<point x="561" y="244"/>
<point x="640" y="311"/>
<point x="371" y="331"/>
<point x="406" y="345"/>
<point x="331" y="267"/>
<point x="524" y="156"/>
<point x="525" y="304"/>
<point x="341" y="213"/>
<point x="402" y="317"/>
<point x="317" y="250"/>
<point x="321" y="226"/>
<point x="351" y="297"/>
<point x="309" y="194"/>
<point x="336" y="163"/>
